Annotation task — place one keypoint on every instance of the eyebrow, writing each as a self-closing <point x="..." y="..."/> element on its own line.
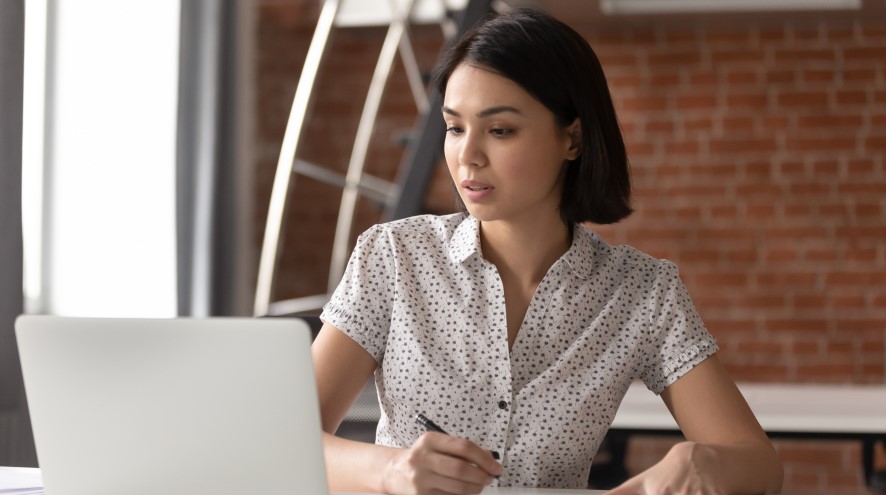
<point x="485" y="112"/>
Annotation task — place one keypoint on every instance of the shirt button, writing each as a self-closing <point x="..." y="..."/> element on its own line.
<point x="502" y="404"/>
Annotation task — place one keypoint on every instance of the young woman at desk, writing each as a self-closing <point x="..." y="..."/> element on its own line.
<point x="512" y="326"/>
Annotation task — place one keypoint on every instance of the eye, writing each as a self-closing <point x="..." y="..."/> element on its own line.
<point x="455" y="131"/>
<point x="500" y="132"/>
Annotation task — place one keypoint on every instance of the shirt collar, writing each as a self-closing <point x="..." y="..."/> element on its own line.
<point x="580" y="256"/>
<point x="465" y="241"/>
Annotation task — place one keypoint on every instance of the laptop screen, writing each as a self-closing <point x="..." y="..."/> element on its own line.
<point x="147" y="406"/>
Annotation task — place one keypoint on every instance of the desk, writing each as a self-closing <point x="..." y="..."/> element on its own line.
<point x="838" y="412"/>
<point x="517" y="491"/>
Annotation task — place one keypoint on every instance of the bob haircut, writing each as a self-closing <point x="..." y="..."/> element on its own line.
<point x="555" y="65"/>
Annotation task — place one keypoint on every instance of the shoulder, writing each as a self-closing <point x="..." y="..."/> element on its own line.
<point x="622" y="262"/>
<point x="441" y="227"/>
<point x="419" y="231"/>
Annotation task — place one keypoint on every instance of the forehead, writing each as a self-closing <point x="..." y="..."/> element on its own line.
<point x="470" y="86"/>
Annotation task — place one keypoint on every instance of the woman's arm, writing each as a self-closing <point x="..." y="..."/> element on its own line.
<point x="726" y="452"/>
<point x="436" y="462"/>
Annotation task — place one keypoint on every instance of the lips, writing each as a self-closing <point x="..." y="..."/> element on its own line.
<point x="475" y="185"/>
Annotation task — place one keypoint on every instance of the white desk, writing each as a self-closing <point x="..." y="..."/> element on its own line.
<point x="518" y="491"/>
<point x="848" y="412"/>
<point x="815" y="410"/>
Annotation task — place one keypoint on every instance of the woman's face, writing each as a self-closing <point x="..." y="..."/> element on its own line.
<point x="504" y="149"/>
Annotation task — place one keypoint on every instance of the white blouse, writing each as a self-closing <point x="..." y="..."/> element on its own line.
<point x="418" y="295"/>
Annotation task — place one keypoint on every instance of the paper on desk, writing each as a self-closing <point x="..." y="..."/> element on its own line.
<point x="20" y="481"/>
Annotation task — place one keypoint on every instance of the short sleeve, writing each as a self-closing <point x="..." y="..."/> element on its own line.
<point x="361" y="305"/>
<point x="680" y="340"/>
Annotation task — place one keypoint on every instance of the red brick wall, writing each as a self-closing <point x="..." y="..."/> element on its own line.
<point x="757" y="153"/>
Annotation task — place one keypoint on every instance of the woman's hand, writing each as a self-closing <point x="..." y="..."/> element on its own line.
<point x="688" y="469"/>
<point x="440" y="464"/>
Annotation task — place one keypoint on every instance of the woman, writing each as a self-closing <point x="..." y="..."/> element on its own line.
<point x="510" y="325"/>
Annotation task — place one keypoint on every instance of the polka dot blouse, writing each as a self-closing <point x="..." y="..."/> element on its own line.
<point x="418" y="295"/>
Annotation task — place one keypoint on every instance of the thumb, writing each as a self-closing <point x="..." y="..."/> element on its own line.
<point x="629" y="487"/>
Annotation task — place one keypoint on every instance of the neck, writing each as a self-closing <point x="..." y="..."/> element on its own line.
<point x="525" y="253"/>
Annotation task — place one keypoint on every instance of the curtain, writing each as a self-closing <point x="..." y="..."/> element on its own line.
<point x="16" y="443"/>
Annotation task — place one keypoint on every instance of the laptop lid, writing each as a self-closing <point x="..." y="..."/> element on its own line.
<point x="172" y="406"/>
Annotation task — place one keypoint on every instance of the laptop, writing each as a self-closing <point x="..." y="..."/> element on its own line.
<point x="218" y="406"/>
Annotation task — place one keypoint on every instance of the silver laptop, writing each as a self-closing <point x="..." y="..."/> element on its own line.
<point x="179" y="406"/>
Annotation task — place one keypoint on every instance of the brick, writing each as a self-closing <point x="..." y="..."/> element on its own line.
<point x="862" y="188"/>
<point x="813" y="76"/>
<point x="759" y="170"/>
<point x="868" y="54"/>
<point x="868" y="210"/>
<point x="779" y="256"/>
<point x="877" y="232"/>
<point x="873" y="31"/>
<point x="703" y="79"/>
<point x="760" y="211"/>
<point x="807" y="189"/>
<point x="859" y="75"/>
<point x="875" y="143"/>
<point x="698" y="124"/>
<point x="743" y="78"/>
<point x="824" y="121"/>
<point x="861" y="325"/>
<point x="660" y="126"/>
<point x="721" y="279"/>
<point x="828" y="143"/>
<point x="696" y="102"/>
<point x="825" y="372"/>
<point x="681" y="147"/>
<point x="721" y="211"/>
<point x="679" y="37"/>
<point x="661" y="80"/>
<point x="786" y="280"/>
<point x="847" y="302"/>
<point x="780" y="76"/>
<point x="861" y="254"/>
<point x="742" y="56"/>
<point x="862" y="166"/>
<point x="807" y="34"/>
<point x="861" y="279"/>
<point x="762" y="145"/>
<point x="803" y="56"/>
<point x="622" y="82"/>
<point x="731" y="124"/>
<point x="820" y="254"/>
<point x="772" y="36"/>
<point x="745" y="101"/>
<point x="803" y="99"/>
<point x="644" y="103"/>
<point x="774" y="123"/>
<point x="674" y="58"/>
<point x="730" y="37"/>
<point x="825" y="168"/>
<point x="851" y="97"/>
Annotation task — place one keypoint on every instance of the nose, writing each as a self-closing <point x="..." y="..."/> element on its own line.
<point x="471" y="152"/>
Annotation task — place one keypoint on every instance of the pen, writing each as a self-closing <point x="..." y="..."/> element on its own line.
<point x="429" y="425"/>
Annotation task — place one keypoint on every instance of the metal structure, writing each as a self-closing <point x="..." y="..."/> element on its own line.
<point x="401" y="198"/>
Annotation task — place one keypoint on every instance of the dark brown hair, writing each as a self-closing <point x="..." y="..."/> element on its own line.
<point x="557" y="66"/>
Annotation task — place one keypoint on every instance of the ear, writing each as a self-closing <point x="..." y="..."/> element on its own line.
<point x="576" y="146"/>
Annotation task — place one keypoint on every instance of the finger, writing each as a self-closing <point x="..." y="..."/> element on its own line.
<point x="626" y="488"/>
<point x="464" y="449"/>
<point x="459" y="469"/>
<point x="444" y="484"/>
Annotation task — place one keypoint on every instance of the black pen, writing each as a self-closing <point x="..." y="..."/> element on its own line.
<point x="429" y="425"/>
